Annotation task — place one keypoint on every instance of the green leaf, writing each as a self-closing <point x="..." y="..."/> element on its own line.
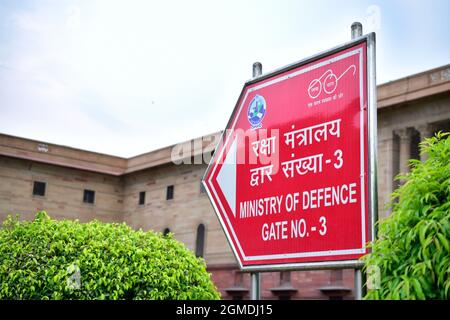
<point x="418" y="289"/>
<point x="444" y="241"/>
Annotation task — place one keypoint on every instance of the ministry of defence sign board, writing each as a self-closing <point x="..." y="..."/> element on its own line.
<point x="293" y="179"/>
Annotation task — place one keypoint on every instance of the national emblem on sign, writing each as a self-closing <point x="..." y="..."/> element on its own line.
<point x="256" y="111"/>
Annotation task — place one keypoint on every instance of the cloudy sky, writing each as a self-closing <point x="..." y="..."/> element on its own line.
<point x="125" y="77"/>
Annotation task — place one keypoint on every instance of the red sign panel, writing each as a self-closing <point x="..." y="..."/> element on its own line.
<point x="289" y="180"/>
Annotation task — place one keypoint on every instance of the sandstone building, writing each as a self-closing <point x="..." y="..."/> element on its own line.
<point x="149" y="191"/>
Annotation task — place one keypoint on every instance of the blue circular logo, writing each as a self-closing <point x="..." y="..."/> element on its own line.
<point x="256" y="111"/>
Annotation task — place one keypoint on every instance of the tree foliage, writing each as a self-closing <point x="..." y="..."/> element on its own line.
<point x="412" y="253"/>
<point x="49" y="259"/>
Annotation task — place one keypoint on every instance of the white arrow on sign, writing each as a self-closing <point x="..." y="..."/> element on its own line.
<point x="227" y="177"/>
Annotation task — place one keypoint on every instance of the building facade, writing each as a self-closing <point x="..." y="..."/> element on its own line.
<point x="150" y="191"/>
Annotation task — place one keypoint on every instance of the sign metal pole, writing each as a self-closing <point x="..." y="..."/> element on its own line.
<point x="255" y="276"/>
<point x="373" y="146"/>
<point x="356" y="32"/>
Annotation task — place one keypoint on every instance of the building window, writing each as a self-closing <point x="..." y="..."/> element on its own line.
<point x="141" y="198"/>
<point x="38" y="188"/>
<point x="169" y="193"/>
<point x="166" y="232"/>
<point x="200" y="242"/>
<point x="88" y="196"/>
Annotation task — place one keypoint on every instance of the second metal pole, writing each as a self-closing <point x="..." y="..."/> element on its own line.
<point x="256" y="286"/>
<point x="255" y="277"/>
<point x="358" y="284"/>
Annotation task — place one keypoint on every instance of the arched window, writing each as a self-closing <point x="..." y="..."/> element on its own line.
<point x="200" y="242"/>
<point x="166" y="231"/>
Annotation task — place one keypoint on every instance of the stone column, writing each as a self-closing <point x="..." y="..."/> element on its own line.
<point x="405" y="148"/>
<point x="387" y="155"/>
<point x="426" y="131"/>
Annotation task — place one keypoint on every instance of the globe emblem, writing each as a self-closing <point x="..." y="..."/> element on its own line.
<point x="256" y="111"/>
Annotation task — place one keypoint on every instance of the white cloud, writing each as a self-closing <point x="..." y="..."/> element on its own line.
<point x="29" y="21"/>
<point x="127" y="77"/>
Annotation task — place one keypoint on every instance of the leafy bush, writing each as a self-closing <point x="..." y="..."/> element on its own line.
<point x="49" y="259"/>
<point x="412" y="253"/>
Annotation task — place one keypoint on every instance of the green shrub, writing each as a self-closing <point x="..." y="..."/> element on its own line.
<point x="412" y="253"/>
<point x="49" y="259"/>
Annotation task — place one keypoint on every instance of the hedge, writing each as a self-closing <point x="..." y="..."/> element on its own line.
<point x="411" y="258"/>
<point x="50" y="259"/>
